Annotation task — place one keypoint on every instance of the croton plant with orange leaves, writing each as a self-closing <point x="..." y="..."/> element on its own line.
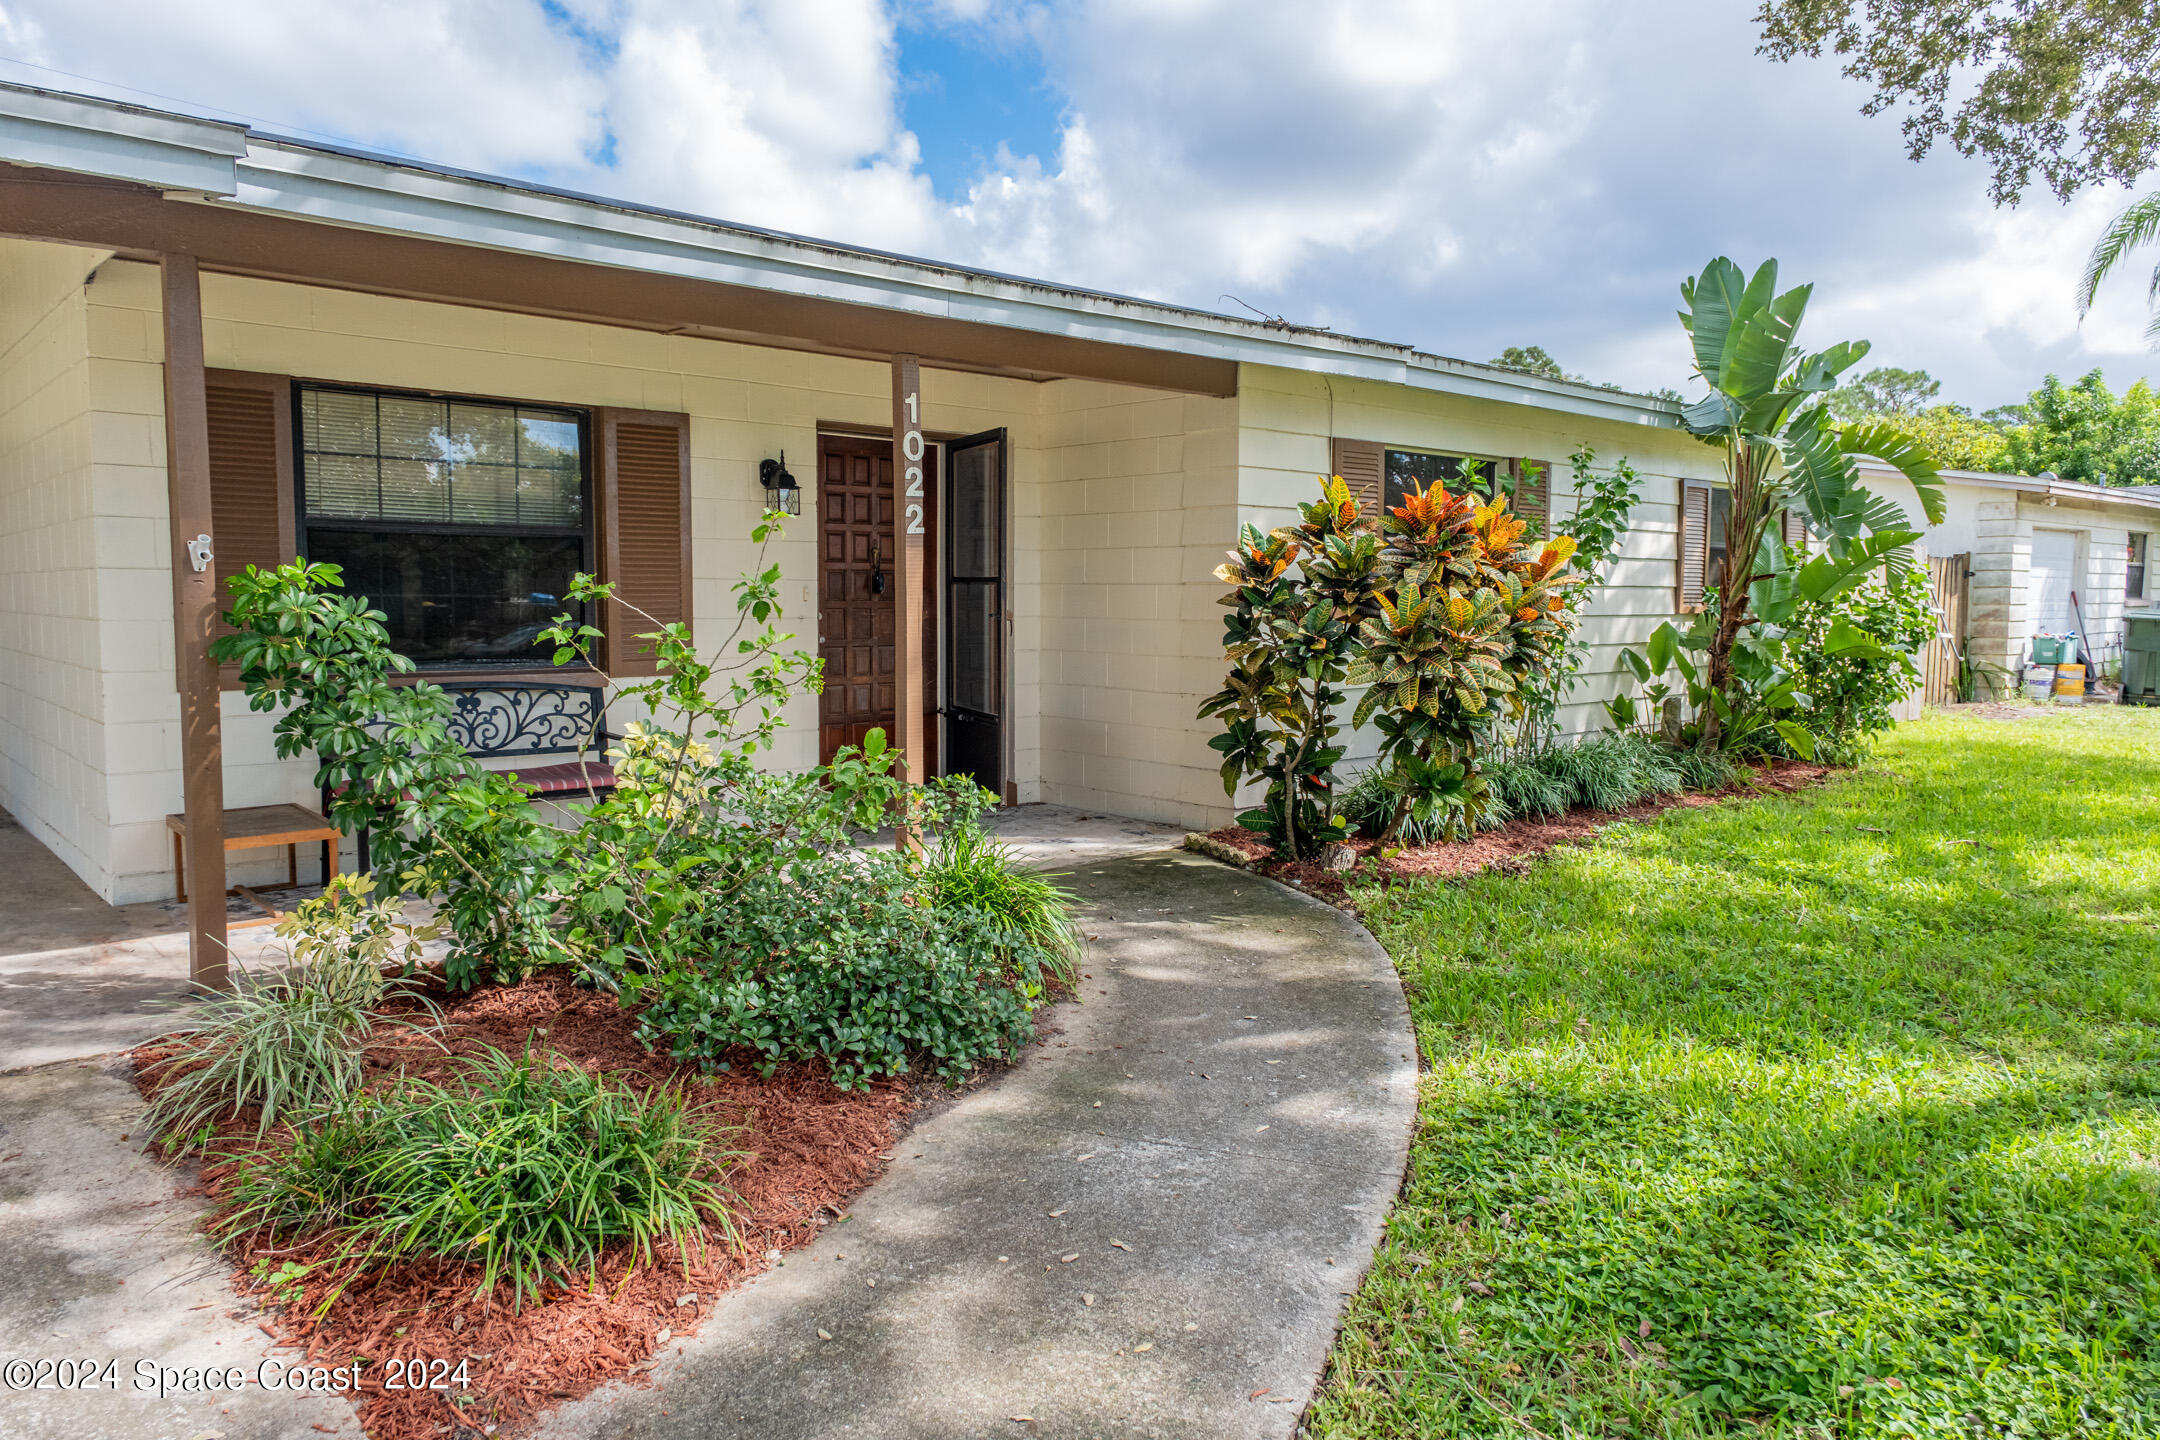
<point x="1441" y="610"/>
<point x="1470" y="611"/>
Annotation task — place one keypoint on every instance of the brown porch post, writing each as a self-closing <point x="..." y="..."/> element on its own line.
<point x="909" y="467"/>
<point x="195" y="612"/>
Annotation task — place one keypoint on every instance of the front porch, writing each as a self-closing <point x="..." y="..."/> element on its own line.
<point x="167" y="418"/>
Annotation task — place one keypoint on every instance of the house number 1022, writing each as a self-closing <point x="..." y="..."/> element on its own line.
<point x="911" y="456"/>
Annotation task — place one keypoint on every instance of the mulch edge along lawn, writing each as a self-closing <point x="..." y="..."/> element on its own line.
<point x="1907" y="1137"/>
<point x="1508" y="845"/>
<point x="811" y="1147"/>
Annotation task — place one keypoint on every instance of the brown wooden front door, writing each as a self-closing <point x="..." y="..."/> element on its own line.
<point x="858" y="586"/>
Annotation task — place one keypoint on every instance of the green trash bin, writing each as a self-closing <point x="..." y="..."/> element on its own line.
<point x="2141" y="658"/>
<point x="2051" y="650"/>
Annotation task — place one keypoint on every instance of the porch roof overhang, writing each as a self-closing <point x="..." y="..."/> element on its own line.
<point x="91" y="171"/>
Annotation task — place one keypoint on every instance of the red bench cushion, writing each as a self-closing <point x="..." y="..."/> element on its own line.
<point x="571" y="775"/>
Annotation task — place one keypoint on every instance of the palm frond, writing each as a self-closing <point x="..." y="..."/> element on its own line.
<point x="2136" y="227"/>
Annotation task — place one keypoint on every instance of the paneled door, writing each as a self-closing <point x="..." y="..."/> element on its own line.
<point x="975" y="610"/>
<point x="858" y="588"/>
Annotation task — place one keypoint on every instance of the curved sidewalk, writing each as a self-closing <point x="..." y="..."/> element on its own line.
<point x="1155" y="1216"/>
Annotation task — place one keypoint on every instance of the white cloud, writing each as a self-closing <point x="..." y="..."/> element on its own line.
<point x="1461" y="175"/>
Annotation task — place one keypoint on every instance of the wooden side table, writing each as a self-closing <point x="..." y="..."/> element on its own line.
<point x="251" y="829"/>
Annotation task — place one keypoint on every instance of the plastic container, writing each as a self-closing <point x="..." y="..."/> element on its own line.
<point x="2050" y="650"/>
<point x="2039" y="682"/>
<point x="2069" y="684"/>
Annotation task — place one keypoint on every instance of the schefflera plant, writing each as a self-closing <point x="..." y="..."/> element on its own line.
<point x="1299" y="597"/>
<point x="1467" y="612"/>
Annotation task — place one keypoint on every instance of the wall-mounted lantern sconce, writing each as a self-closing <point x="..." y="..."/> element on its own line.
<point x="781" y="491"/>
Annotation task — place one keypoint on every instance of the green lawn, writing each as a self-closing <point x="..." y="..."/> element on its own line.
<point x="1836" y="1114"/>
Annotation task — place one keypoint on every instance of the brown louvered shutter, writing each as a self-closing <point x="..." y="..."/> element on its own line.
<point x="1694" y="552"/>
<point x="644" y="503"/>
<point x="1363" y="466"/>
<point x="251" y="479"/>
<point x="1791" y="528"/>
<point x="1533" y="495"/>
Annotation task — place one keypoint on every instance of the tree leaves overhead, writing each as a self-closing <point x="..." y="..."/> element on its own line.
<point x="2060" y="90"/>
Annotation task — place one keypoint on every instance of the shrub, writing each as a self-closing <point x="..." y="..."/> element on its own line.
<point x="1469" y="614"/>
<point x="1422" y="801"/>
<point x="970" y="871"/>
<point x="289" y="1041"/>
<point x="837" y="957"/>
<point x="527" y="1170"/>
<point x="1878" y="627"/>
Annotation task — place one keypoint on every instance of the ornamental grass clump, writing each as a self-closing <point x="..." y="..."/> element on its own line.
<point x="290" y="1041"/>
<point x="1614" y="771"/>
<point x="524" y="1169"/>
<point x="969" y="870"/>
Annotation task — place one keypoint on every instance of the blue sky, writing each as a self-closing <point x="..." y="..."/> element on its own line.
<point x="1456" y="174"/>
<point x="966" y="95"/>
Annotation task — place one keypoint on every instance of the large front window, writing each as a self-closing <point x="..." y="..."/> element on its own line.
<point x="461" y="520"/>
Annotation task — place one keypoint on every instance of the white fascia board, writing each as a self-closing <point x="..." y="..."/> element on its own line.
<point x="2074" y="491"/>
<point x="118" y="142"/>
<point x="310" y="183"/>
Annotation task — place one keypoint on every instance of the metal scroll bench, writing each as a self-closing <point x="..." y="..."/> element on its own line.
<point x="492" y="719"/>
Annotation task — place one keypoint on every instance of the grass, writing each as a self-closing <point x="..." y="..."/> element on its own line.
<point x="525" y="1169"/>
<point x="1826" y="1115"/>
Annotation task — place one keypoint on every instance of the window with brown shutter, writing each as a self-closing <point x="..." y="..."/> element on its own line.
<point x="251" y="479"/>
<point x="461" y="519"/>
<point x="1533" y="494"/>
<point x="1791" y="528"/>
<point x="1694" y="547"/>
<point x="1362" y="465"/>
<point x="645" y="528"/>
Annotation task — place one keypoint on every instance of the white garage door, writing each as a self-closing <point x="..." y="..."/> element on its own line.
<point x="2054" y="558"/>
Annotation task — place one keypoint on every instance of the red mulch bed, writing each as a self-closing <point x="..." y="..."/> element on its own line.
<point x="1508" y="844"/>
<point x="811" y="1146"/>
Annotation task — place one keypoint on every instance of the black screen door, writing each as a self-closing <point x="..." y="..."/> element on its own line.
<point x="974" y="702"/>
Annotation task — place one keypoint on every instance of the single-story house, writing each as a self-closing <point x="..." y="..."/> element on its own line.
<point x="221" y="347"/>
<point x="2013" y="551"/>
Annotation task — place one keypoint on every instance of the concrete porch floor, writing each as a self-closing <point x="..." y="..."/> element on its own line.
<point x="79" y="977"/>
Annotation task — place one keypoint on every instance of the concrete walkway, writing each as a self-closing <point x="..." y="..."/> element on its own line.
<point x="1155" y="1215"/>
<point x="106" y="1262"/>
<point x="1130" y="1234"/>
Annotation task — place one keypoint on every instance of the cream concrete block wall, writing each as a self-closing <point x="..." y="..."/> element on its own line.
<point x="1286" y="420"/>
<point x="52" y="750"/>
<point x="744" y="402"/>
<point x="1998" y="607"/>
<point x="1137" y="501"/>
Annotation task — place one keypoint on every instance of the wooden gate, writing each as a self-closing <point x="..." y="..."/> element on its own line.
<point x="1952" y="584"/>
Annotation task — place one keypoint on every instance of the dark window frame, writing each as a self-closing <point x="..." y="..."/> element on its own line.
<point x="2137" y="562"/>
<point x="1496" y="469"/>
<point x="585" y="532"/>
